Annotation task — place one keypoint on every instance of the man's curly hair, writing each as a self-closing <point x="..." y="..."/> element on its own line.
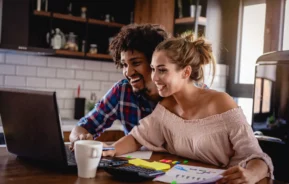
<point x="141" y="37"/>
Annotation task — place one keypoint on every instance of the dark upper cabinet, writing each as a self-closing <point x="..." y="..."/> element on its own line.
<point x="17" y="30"/>
<point x="25" y="27"/>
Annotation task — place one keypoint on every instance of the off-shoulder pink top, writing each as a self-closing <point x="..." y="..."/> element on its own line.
<point x="223" y="140"/>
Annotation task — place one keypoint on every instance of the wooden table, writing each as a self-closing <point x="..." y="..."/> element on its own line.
<point x="14" y="170"/>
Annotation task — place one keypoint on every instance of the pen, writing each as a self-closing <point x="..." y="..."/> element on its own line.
<point x="107" y="148"/>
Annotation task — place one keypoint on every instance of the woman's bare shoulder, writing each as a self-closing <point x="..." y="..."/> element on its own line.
<point x="221" y="102"/>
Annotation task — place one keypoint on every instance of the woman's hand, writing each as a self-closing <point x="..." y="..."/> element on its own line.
<point x="108" y="153"/>
<point x="238" y="174"/>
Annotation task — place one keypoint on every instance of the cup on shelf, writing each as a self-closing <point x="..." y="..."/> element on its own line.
<point x="87" y="156"/>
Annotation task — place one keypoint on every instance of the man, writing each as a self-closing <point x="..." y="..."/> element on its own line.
<point x="130" y="99"/>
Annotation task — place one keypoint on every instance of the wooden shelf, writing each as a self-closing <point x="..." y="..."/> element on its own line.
<point x="101" y="22"/>
<point x="81" y="54"/>
<point x="42" y="13"/>
<point x="77" y="19"/>
<point x="69" y="53"/>
<point x="99" y="56"/>
<point x="190" y="20"/>
<point x="68" y="17"/>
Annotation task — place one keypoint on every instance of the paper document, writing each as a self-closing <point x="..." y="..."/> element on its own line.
<point x="138" y="154"/>
<point x="184" y="174"/>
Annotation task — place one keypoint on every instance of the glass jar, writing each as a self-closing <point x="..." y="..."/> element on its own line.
<point x="71" y="43"/>
<point x="93" y="49"/>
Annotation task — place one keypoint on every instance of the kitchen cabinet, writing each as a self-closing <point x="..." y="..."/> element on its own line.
<point x="24" y="26"/>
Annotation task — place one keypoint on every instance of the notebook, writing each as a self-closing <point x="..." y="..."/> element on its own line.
<point x="32" y="126"/>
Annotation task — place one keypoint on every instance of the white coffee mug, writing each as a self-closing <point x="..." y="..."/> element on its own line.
<point x="87" y="156"/>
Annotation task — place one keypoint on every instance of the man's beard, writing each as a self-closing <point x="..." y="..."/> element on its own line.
<point x="143" y="92"/>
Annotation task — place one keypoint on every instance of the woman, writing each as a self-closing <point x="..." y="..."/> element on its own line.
<point x="193" y="122"/>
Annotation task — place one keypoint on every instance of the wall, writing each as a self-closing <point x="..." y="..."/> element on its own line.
<point x="64" y="75"/>
<point x="214" y="29"/>
<point x="60" y="75"/>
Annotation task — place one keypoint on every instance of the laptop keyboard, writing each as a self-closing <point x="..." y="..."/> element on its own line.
<point x="70" y="156"/>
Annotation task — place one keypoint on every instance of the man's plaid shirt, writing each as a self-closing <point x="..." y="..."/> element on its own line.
<point x="119" y="103"/>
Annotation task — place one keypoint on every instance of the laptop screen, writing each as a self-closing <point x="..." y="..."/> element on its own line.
<point x="31" y="124"/>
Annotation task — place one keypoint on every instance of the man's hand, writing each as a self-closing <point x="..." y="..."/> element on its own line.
<point x="109" y="153"/>
<point x="236" y="175"/>
<point x="78" y="133"/>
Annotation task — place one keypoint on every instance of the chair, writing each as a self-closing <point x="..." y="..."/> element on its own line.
<point x="279" y="153"/>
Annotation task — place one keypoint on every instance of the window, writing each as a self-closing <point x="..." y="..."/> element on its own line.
<point x="252" y="39"/>
<point x="250" y="46"/>
<point x="246" y="104"/>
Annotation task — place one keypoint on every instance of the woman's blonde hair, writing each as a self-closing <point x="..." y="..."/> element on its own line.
<point x="187" y="51"/>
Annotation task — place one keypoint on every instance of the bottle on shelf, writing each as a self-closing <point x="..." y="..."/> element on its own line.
<point x="83" y="46"/>
<point x="57" y="40"/>
<point x="83" y="12"/>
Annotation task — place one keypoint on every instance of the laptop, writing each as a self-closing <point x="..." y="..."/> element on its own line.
<point x="32" y="126"/>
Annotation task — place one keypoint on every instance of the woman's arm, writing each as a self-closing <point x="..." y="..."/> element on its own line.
<point x="126" y="144"/>
<point x="256" y="169"/>
<point x="249" y="163"/>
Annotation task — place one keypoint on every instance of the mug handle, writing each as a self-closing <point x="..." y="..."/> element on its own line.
<point x="93" y="153"/>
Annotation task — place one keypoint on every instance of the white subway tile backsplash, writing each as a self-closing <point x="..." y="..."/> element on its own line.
<point x="16" y="59"/>
<point x="64" y="93"/>
<point x="99" y="94"/>
<point x="1" y="80"/>
<point x="2" y="57"/>
<point x="221" y="70"/>
<point x="35" y="82"/>
<point x="105" y="86"/>
<point x="219" y="81"/>
<point x="103" y="76"/>
<point x="60" y="103"/>
<point x="109" y="67"/>
<point x="63" y="73"/>
<point x="55" y="83"/>
<point x="26" y="70"/>
<point x="219" y="89"/>
<point x="83" y="94"/>
<point x="94" y="85"/>
<point x="7" y="69"/>
<point x="66" y="113"/>
<point x="74" y="63"/>
<point x="81" y="74"/>
<point x="56" y="62"/>
<point x="41" y="89"/>
<point x="15" y="81"/>
<point x="73" y="84"/>
<point x="46" y="72"/>
<point x="92" y="65"/>
<point x="37" y="60"/>
<point x="69" y="104"/>
<point x="115" y="76"/>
